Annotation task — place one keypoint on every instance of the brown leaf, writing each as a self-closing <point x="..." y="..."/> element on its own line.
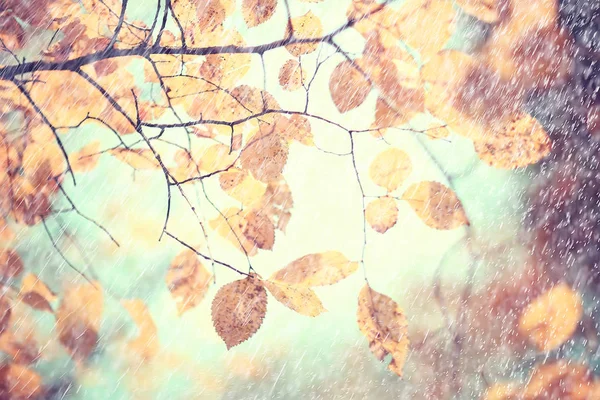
<point x="35" y="300"/>
<point x="36" y="294"/>
<point x="390" y="168"/>
<point x="257" y="12"/>
<point x="187" y="280"/>
<point x="552" y="318"/>
<point x="299" y="298"/>
<point x="11" y="264"/>
<point x="316" y="269"/>
<point x="307" y="26"/>
<point x="348" y="87"/>
<point x="146" y="343"/>
<point x="436" y="205"/>
<point x="238" y="310"/>
<point x="382" y="214"/>
<point x="383" y="323"/>
<point x="521" y="142"/>
<point x="78" y="319"/>
<point x="136" y="158"/>
<point x="258" y="228"/>
<point x="5" y="313"/>
<point x="265" y="156"/>
<point x="291" y="75"/>
<point x="242" y="186"/>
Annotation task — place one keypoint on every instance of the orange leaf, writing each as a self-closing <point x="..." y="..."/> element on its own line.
<point x="257" y="12"/>
<point x="488" y="11"/>
<point x="85" y="159"/>
<point x="390" y="168"/>
<point x="136" y="158"/>
<point x="291" y="75"/>
<point x="299" y="298"/>
<point x="551" y="319"/>
<point x="348" y="87"/>
<point x="146" y="343"/>
<point x="316" y="269"/>
<point x="382" y="214"/>
<point x="307" y="26"/>
<point x="11" y="265"/>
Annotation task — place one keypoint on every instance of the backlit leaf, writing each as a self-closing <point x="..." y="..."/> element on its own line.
<point x="551" y="319"/>
<point x="299" y="298"/>
<point x="307" y="26"/>
<point x="187" y="280"/>
<point x="390" y="168"/>
<point x="348" y="87"/>
<point x="384" y="325"/>
<point x="436" y="205"/>
<point x="291" y="75"/>
<point x="257" y="12"/>
<point x="317" y="269"/>
<point x="382" y="214"/>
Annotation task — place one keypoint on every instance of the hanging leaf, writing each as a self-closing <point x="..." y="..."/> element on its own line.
<point x="382" y="214"/>
<point x="36" y="294"/>
<point x="257" y="12"/>
<point x="299" y="298"/>
<point x="307" y="26"/>
<point x="78" y="319"/>
<point x="318" y="269"/>
<point x="187" y="280"/>
<point x="523" y="141"/>
<point x="85" y="159"/>
<point x="146" y="343"/>
<point x="436" y="205"/>
<point x="238" y="310"/>
<point x="348" y="87"/>
<point x="265" y="156"/>
<point x="258" y="228"/>
<point x="390" y="168"/>
<point x="551" y="319"/>
<point x="384" y="325"/>
<point x="136" y="158"/>
<point x="242" y="186"/>
<point x="291" y="75"/>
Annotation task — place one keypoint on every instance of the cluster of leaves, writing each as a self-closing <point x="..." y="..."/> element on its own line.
<point x="193" y="63"/>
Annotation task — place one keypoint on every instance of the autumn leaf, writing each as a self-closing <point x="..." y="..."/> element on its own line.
<point x="318" y="269"/>
<point x="307" y="26"/>
<point x="136" y="158"/>
<point x="78" y="319"/>
<point x="299" y="298"/>
<point x="36" y="294"/>
<point x="242" y="186"/>
<point x="390" y="168"/>
<point x="187" y="280"/>
<point x="11" y="265"/>
<point x="436" y="205"/>
<point x="257" y="12"/>
<point x="265" y="156"/>
<point x="291" y="75"/>
<point x="19" y="382"/>
<point x="238" y="310"/>
<point x="521" y="142"/>
<point x="146" y="343"/>
<point x="551" y="319"/>
<point x="348" y="87"/>
<point x="382" y="214"/>
<point x="85" y="159"/>
<point x="384" y="325"/>
<point x="5" y="314"/>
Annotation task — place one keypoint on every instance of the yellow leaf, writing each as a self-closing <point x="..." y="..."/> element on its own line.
<point x="384" y="325"/>
<point x="216" y="158"/>
<point x="291" y="75"/>
<point x="316" y="269"/>
<point x="229" y="226"/>
<point x="187" y="280"/>
<point x="436" y="205"/>
<point x="136" y="158"/>
<point x="348" y="87"/>
<point x="242" y="186"/>
<point x="307" y="26"/>
<point x="257" y="12"/>
<point x="265" y="156"/>
<point x="521" y="142"/>
<point x="551" y="319"/>
<point x="85" y="159"/>
<point x="562" y="379"/>
<point x="299" y="298"/>
<point x="238" y="310"/>
<point x="390" y="168"/>
<point x="382" y="214"/>
<point x="146" y="343"/>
